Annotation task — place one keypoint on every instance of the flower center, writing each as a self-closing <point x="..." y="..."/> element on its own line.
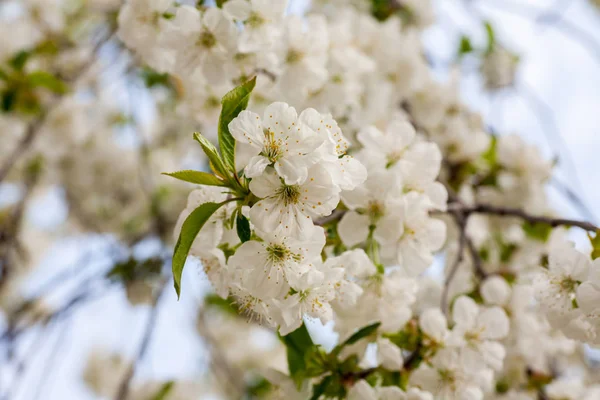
<point x="206" y="40"/>
<point x="278" y="254"/>
<point x="255" y="20"/>
<point x="290" y="194"/>
<point x="293" y="56"/>
<point x="375" y="210"/>
<point x="272" y="147"/>
<point x="568" y="285"/>
<point x="212" y="102"/>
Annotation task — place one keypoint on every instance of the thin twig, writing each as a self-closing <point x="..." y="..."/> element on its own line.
<point x="578" y="203"/>
<point x="519" y="213"/>
<point x="462" y="240"/>
<point x="148" y="333"/>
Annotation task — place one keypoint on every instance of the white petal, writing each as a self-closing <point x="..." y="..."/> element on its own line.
<point x="256" y="166"/>
<point x="433" y="323"/>
<point x="465" y="311"/>
<point x="247" y="128"/>
<point x="237" y="9"/>
<point x="292" y="169"/>
<point x="495" y="322"/>
<point x="353" y="228"/>
<point x="389" y="355"/>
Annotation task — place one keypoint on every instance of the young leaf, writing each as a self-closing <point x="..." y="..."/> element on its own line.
<point x="216" y="163"/>
<point x="192" y="225"/>
<point x="243" y="227"/>
<point x="360" y="334"/>
<point x="233" y="103"/>
<point x="537" y="231"/>
<point x="491" y="37"/>
<point x="48" y="81"/>
<point x="595" y="242"/>
<point x="19" y="60"/>
<point x="297" y="344"/>
<point x="197" y="177"/>
<point x="164" y="391"/>
<point x="465" y="46"/>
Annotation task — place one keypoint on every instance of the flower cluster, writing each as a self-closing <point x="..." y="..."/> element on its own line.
<point x="568" y="290"/>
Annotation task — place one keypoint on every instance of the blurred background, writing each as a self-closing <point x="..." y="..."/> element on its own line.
<point x="554" y="103"/>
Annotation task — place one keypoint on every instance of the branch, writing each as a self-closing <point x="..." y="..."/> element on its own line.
<point x="334" y="216"/>
<point x="519" y="213"/>
<point x="462" y="241"/>
<point x="148" y="333"/>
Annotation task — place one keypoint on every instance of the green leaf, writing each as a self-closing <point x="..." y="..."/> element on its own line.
<point x="331" y="387"/>
<point x="491" y="154"/>
<point x="19" y="60"/>
<point x="537" y="231"/>
<point x="297" y="344"/>
<point x="320" y="388"/>
<point x="243" y="227"/>
<point x="220" y="3"/>
<point x="9" y="99"/>
<point x="224" y="305"/>
<point x="317" y="362"/>
<point x="233" y="103"/>
<point x="491" y="37"/>
<point x="216" y="163"/>
<point x="197" y="177"/>
<point x="192" y="225"/>
<point x="595" y="242"/>
<point x="465" y="46"/>
<point x="360" y="334"/>
<point x="152" y="78"/>
<point x="48" y="81"/>
<point x="164" y="391"/>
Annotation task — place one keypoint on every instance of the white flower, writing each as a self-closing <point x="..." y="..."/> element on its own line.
<point x="386" y="149"/>
<point x="415" y="233"/>
<point x="346" y="171"/>
<point x="313" y="292"/>
<point x="389" y="355"/>
<point x="495" y="291"/>
<point x="287" y="209"/>
<point x="276" y="262"/>
<point x="304" y="55"/>
<point x="262" y="20"/>
<point x="357" y="267"/>
<point x="555" y="287"/>
<point x="449" y="377"/>
<point x="372" y="203"/>
<point x="203" y="41"/>
<point x="140" y="20"/>
<point x="363" y="391"/>
<point x="278" y="140"/>
<point x="478" y="330"/>
<point x="433" y="323"/>
<point x="215" y="268"/>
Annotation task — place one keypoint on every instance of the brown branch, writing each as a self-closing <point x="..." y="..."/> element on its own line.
<point x="148" y="333"/>
<point x="521" y="214"/>
<point x="462" y="241"/>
